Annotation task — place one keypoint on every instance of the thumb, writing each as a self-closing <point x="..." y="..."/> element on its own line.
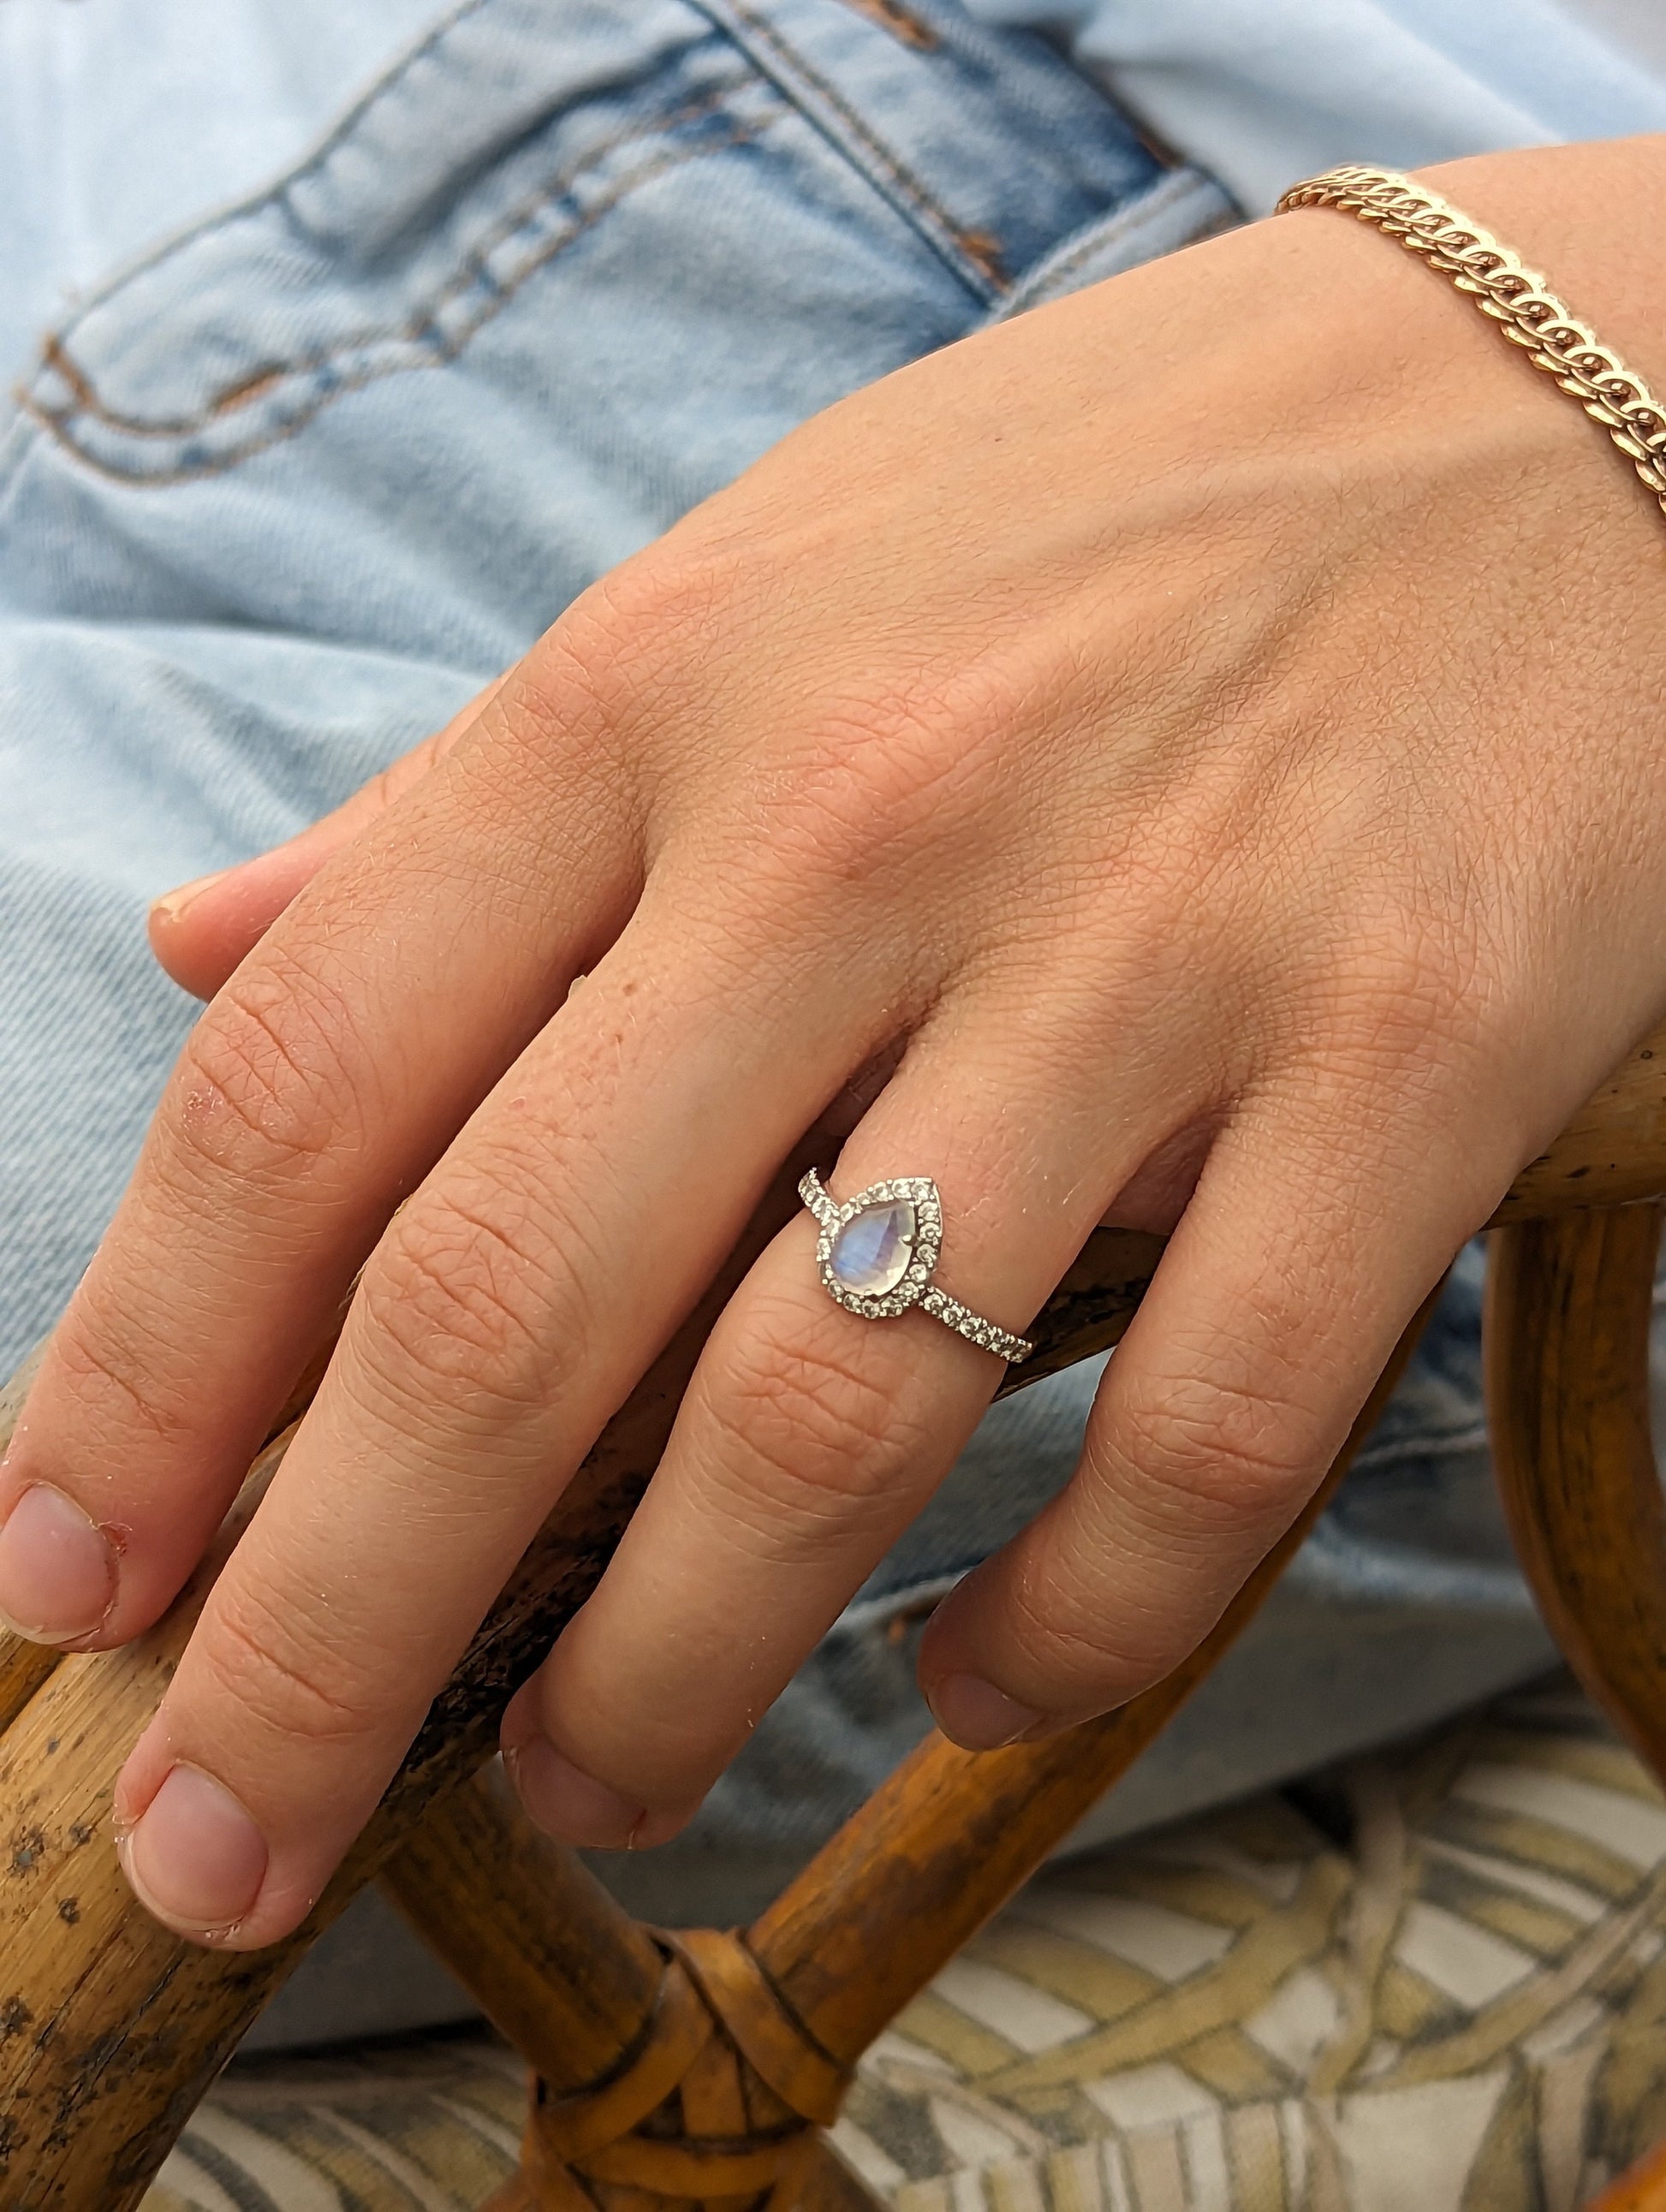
<point x="200" y="932"/>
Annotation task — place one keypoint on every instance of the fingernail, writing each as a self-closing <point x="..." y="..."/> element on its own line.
<point x="194" y="1858"/>
<point x="976" y="1715"/>
<point x="569" y="1804"/>
<point x="171" y="904"/>
<point x="58" y="1569"/>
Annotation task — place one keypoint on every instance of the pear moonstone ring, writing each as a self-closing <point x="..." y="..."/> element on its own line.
<point x="876" y="1256"/>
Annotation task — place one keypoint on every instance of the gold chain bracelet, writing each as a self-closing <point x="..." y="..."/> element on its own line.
<point x="1518" y="299"/>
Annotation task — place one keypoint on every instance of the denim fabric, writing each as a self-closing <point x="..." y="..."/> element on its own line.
<point x="1269" y="91"/>
<point x="122" y="119"/>
<point x="285" y="494"/>
<point x="277" y="498"/>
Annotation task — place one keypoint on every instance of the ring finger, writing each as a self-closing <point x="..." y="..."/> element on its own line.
<point x="811" y="1435"/>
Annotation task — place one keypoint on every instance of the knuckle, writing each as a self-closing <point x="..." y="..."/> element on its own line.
<point x="459" y="1301"/>
<point x="633" y="639"/>
<point x="1215" y="1457"/>
<point x="878" y="778"/>
<point x="1407" y="979"/>
<point x="108" y="1364"/>
<point x="814" y="1430"/>
<point x="261" y="1091"/>
<point x="279" y="1677"/>
<point x="664" y="589"/>
<point x="1424" y="990"/>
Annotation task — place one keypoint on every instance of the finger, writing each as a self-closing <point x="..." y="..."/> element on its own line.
<point x="1279" y="1299"/>
<point x="201" y="931"/>
<point x="312" y="1095"/>
<point x="812" y="1436"/>
<point x="504" y="1318"/>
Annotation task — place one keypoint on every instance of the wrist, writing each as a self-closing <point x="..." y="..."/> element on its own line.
<point x="1566" y="196"/>
<point x="1590" y="218"/>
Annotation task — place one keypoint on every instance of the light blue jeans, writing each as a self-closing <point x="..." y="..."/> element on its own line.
<point x="280" y="494"/>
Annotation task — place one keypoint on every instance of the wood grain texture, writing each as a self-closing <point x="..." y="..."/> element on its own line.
<point x="935" y="1852"/>
<point x="646" y="2047"/>
<point x="942" y="1845"/>
<point x="23" y="1666"/>
<point x="1613" y="1150"/>
<point x="556" y="1966"/>
<point x="823" y="2183"/>
<point x="1641" y="2188"/>
<point x="1569" y="1302"/>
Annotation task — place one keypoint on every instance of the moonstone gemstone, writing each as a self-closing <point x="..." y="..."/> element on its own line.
<point x="871" y="1253"/>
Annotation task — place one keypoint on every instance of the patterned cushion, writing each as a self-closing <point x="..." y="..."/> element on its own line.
<point x="1432" y="1981"/>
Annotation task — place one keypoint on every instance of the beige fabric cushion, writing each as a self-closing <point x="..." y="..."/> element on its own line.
<point x="1434" y="1984"/>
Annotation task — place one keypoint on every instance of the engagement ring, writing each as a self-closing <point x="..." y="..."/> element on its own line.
<point x="876" y="1256"/>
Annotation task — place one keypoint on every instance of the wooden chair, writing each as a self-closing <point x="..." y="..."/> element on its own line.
<point x="699" y="2066"/>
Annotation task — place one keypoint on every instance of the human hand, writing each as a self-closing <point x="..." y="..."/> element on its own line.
<point x="1188" y="755"/>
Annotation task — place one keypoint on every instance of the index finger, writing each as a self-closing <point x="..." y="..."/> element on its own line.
<point x="504" y="1317"/>
<point x="312" y="1094"/>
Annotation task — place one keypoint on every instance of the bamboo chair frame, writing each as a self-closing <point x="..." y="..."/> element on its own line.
<point x="701" y="2067"/>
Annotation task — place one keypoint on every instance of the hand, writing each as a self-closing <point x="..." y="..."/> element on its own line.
<point x="1196" y="747"/>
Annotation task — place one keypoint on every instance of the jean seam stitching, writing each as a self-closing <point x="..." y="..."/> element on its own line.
<point x="1123" y="224"/>
<point x="438" y="355"/>
<point x="270" y="195"/>
<point x="947" y="238"/>
<point x="467" y="270"/>
<point x="1128" y="222"/>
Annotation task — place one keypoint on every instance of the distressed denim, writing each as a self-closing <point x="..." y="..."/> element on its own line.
<point x="277" y="498"/>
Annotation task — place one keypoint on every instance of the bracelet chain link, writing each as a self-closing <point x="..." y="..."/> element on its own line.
<point x="1517" y="298"/>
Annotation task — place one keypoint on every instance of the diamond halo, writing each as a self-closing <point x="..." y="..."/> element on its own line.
<point x="916" y="1197"/>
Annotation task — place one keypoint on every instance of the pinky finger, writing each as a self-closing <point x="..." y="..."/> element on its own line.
<point x="1273" y="1313"/>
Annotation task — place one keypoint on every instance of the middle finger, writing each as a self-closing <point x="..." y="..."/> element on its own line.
<point x="505" y="1315"/>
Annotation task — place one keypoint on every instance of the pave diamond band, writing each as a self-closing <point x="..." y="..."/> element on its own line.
<point x="876" y="1256"/>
